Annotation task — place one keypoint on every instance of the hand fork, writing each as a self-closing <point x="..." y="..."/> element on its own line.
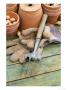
<point x="34" y="55"/>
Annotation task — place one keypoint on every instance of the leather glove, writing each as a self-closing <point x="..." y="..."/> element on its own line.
<point x="16" y="51"/>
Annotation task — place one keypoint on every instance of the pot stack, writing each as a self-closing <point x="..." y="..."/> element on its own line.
<point x="30" y="15"/>
<point x="12" y="23"/>
<point x="53" y="11"/>
<point x="11" y="7"/>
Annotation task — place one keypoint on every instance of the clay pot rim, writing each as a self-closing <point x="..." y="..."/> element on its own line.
<point x="50" y="12"/>
<point x="17" y="18"/>
<point x="11" y="5"/>
<point x="31" y="10"/>
<point x="52" y="7"/>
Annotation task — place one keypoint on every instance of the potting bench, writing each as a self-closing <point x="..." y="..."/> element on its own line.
<point x="46" y="72"/>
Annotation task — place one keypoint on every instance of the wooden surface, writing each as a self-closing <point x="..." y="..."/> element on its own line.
<point x="48" y="79"/>
<point x="46" y="72"/>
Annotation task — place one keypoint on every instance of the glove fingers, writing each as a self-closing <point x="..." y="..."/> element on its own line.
<point x="14" y="57"/>
<point x="22" y="58"/>
<point x="29" y="31"/>
<point x="42" y="43"/>
<point x="13" y="49"/>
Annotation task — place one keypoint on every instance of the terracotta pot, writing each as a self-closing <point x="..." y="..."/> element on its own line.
<point x="11" y="7"/>
<point x="53" y="12"/>
<point x="13" y="28"/>
<point x="30" y="15"/>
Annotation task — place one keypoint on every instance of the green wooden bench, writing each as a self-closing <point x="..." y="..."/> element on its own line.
<point x="46" y="72"/>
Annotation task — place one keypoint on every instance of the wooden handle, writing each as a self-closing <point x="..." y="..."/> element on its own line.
<point x="42" y="26"/>
<point x="40" y="31"/>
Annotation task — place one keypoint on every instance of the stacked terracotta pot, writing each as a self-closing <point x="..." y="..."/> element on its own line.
<point x="53" y="11"/>
<point x="12" y="23"/>
<point x="11" y="7"/>
<point x="30" y="15"/>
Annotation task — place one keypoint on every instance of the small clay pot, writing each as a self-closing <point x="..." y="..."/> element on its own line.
<point x="30" y="15"/>
<point x="13" y="28"/>
<point x="11" y="7"/>
<point x="53" y="12"/>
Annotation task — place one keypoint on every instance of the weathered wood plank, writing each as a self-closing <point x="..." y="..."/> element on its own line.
<point x="48" y="51"/>
<point x="51" y="50"/>
<point x="48" y="79"/>
<point x="19" y="71"/>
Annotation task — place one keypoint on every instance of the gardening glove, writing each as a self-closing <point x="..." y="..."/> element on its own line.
<point x="52" y="34"/>
<point x="12" y="42"/>
<point x="29" y="33"/>
<point x="29" y="42"/>
<point x="16" y="51"/>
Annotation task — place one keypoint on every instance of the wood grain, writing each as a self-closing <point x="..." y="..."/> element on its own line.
<point x="19" y="71"/>
<point x="48" y="79"/>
